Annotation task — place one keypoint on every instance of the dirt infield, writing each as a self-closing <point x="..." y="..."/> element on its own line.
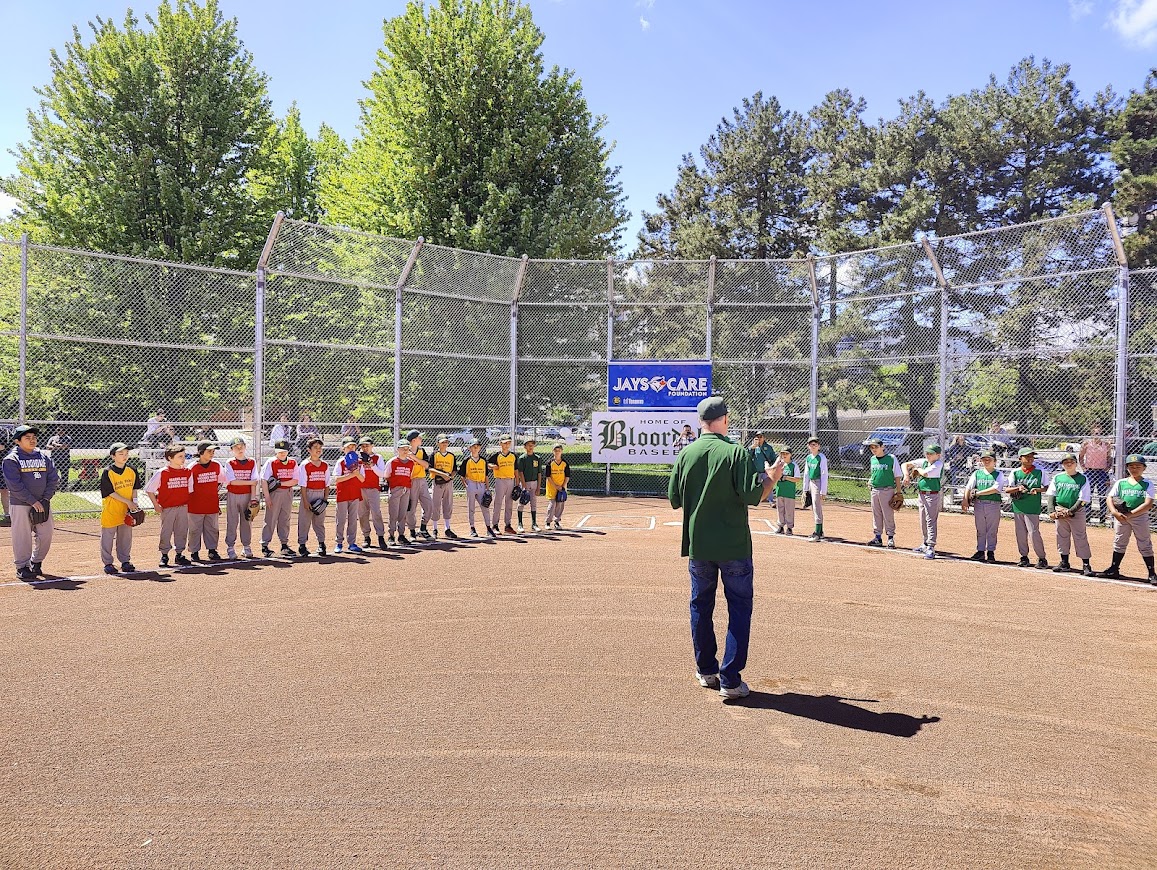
<point x="531" y="703"/>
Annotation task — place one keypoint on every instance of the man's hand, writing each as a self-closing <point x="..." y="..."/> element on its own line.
<point x="37" y="506"/>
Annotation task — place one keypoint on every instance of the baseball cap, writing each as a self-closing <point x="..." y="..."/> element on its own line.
<point x="174" y="450"/>
<point x="475" y="443"/>
<point x="1025" y="451"/>
<point x="366" y="439"/>
<point x="314" y="440"/>
<point x="1136" y="458"/>
<point x="412" y="434"/>
<point x="442" y="437"/>
<point x="405" y="444"/>
<point x="530" y="440"/>
<point x="348" y="440"/>
<point x="20" y="431"/>
<point x="932" y="448"/>
<point x="504" y="439"/>
<point x="712" y="408"/>
<point x="281" y="445"/>
<point x="202" y="446"/>
<point x="875" y="442"/>
<point x="1069" y="457"/>
<point x="987" y="454"/>
<point x="115" y="446"/>
<point x="237" y="439"/>
<point x="813" y="440"/>
<point x="558" y="445"/>
<point x="784" y="449"/>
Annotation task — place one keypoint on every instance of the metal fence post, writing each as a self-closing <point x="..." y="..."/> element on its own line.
<point x="1121" y="403"/>
<point x="710" y="307"/>
<point x="402" y="279"/>
<point x="23" y="362"/>
<point x="610" y="347"/>
<point x="259" y="338"/>
<point x="814" y="380"/>
<point x="943" y="382"/>
<point x="518" y="279"/>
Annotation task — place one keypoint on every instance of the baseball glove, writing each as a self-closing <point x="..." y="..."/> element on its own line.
<point x="318" y="505"/>
<point x="560" y="496"/>
<point x="524" y="498"/>
<point x="807" y="499"/>
<point x="1119" y="506"/>
<point x="896" y="501"/>
<point x="516" y="493"/>
<point x="366" y="457"/>
<point x="253" y="510"/>
<point x="36" y="517"/>
<point x="487" y="498"/>
<point x="1017" y="494"/>
<point x="274" y="485"/>
<point x="134" y="518"/>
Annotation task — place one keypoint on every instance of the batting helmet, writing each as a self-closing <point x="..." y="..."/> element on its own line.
<point x="318" y="505"/>
<point x="253" y="510"/>
<point x="524" y="497"/>
<point x="560" y="496"/>
<point x="134" y="518"/>
<point x="516" y="493"/>
<point x="487" y="498"/>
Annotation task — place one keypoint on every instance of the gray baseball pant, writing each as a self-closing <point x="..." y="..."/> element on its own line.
<point x="1028" y="526"/>
<point x="929" y="516"/>
<point x="813" y="486"/>
<point x="531" y="488"/>
<point x="29" y="543"/>
<point x="883" y="517"/>
<point x="503" y="503"/>
<point x="1072" y="529"/>
<point x="474" y="493"/>
<point x="1132" y="527"/>
<point x="419" y="495"/>
<point x="235" y="506"/>
<point x="122" y="537"/>
<point x="207" y="526"/>
<point x="554" y="512"/>
<point x="175" y="528"/>
<point x="399" y="509"/>
<point x="371" y="510"/>
<point x="785" y="511"/>
<point x="278" y="508"/>
<point x="443" y="502"/>
<point x="346" y="521"/>
<point x="306" y="520"/>
<point x="987" y="519"/>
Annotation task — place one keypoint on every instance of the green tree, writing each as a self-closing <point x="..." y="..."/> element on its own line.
<point x="1135" y="153"/>
<point x="467" y="140"/>
<point x="287" y="179"/>
<point x="145" y="138"/>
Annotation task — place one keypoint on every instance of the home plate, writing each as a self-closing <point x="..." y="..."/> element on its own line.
<point x="616" y="522"/>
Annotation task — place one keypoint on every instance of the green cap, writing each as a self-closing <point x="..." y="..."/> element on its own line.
<point x="932" y="448"/>
<point x="505" y="439"/>
<point x="875" y="442"/>
<point x="237" y="439"/>
<point x="1025" y="451"/>
<point x="1135" y="459"/>
<point x="987" y="454"/>
<point x="712" y="408"/>
<point x="1068" y="457"/>
<point x="115" y="446"/>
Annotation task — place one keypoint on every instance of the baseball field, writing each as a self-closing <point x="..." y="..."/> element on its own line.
<point x="530" y="702"/>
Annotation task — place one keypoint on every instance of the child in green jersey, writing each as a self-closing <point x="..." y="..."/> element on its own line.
<point x="1025" y="487"/>
<point x="929" y="471"/>
<point x="982" y="494"/>
<point x="815" y="479"/>
<point x="785" y="491"/>
<point x="884" y="473"/>
<point x="1130" y="500"/>
<point x="1068" y="496"/>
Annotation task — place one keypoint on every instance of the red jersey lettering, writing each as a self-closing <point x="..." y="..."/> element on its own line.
<point x="347" y="490"/>
<point x="316" y="475"/>
<point x="242" y="470"/>
<point x="284" y="471"/>
<point x="206" y="481"/>
<point x="174" y="487"/>
<point x="400" y="472"/>
<point x="371" y="481"/>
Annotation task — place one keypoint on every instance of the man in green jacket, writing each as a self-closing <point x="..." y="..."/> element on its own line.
<point x="714" y="481"/>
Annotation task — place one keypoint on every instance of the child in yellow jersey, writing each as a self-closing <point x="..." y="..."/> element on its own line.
<point x="502" y="464"/>
<point x="557" y="479"/>
<point x="474" y="470"/>
<point x="442" y="466"/>
<point x="118" y="488"/>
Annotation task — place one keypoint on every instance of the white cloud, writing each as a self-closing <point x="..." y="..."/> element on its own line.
<point x="645" y="4"/>
<point x="1136" y="22"/>
<point x="644" y="23"/>
<point x="1078" y="9"/>
<point x="7" y="203"/>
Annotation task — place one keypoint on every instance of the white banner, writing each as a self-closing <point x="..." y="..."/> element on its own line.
<point x="640" y="437"/>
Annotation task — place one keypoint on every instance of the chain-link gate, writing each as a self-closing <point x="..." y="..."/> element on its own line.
<point x="999" y="339"/>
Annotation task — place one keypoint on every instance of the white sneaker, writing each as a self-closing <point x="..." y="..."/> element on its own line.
<point x="740" y="691"/>
<point x="708" y="681"/>
<point x="232" y="554"/>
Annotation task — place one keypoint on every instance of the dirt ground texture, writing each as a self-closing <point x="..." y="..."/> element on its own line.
<point x="531" y="702"/>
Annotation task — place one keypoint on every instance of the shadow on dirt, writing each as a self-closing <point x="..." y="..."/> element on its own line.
<point x="835" y="710"/>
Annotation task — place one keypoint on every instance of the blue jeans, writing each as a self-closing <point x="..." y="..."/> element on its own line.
<point x="1099" y="484"/>
<point x="738" y="589"/>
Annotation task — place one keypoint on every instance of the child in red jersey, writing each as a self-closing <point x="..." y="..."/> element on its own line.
<point x="278" y="497"/>
<point x="375" y="469"/>
<point x="400" y="476"/>
<point x="169" y="490"/>
<point x="313" y="478"/>
<point x="347" y="483"/>
<point x="241" y="481"/>
<point x="205" y="503"/>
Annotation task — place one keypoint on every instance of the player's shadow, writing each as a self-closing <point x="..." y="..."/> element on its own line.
<point x="60" y="584"/>
<point x="835" y="710"/>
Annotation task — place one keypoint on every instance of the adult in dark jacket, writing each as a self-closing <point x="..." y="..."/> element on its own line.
<point x="31" y="478"/>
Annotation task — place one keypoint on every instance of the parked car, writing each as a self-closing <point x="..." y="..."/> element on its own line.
<point x="461" y="438"/>
<point x="896" y="441"/>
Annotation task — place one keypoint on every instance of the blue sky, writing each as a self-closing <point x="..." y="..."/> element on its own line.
<point x="663" y="72"/>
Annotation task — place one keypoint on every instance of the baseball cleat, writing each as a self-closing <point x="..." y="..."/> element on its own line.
<point x="354" y="548"/>
<point x="707" y="681"/>
<point x="558" y="524"/>
<point x="403" y="541"/>
<point x="37" y="568"/>
<point x="182" y="561"/>
<point x="321" y="549"/>
<point x="492" y="532"/>
<point x="214" y="555"/>
<point x="521" y="529"/>
<point x="451" y="534"/>
<point x="247" y="553"/>
<point x="266" y="552"/>
<point x="891" y="542"/>
<point x="921" y="549"/>
<point x="929" y="554"/>
<point x="128" y="568"/>
<point x="381" y="542"/>
<point x="110" y="569"/>
<point x="338" y="548"/>
<point x="536" y="528"/>
<point x="1042" y="563"/>
<point x="728" y="693"/>
<point x="1023" y="563"/>
<point x="473" y="532"/>
<point x="509" y="530"/>
<point x="991" y="557"/>
<point x="303" y="551"/>
<point x="367" y="540"/>
<point x="286" y="551"/>
<point x="164" y="560"/>
<point x="876" y="542"/>
<point x="978" y="556"/>
<point x="232" y="554"/>
<point x="195" y="555"/>
<point x="25" y="573"/>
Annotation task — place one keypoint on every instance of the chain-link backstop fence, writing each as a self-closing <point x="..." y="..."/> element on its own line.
<point x="999" y="339"/>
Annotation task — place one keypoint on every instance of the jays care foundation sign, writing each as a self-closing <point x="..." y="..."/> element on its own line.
<point x="641" y="437"/>
<point x="657" y="385"/>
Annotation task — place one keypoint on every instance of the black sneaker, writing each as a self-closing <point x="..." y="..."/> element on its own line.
<point x="287" y="551"/>
<point x="449" y="533"/>
<point x="1023" y="563"/>
<point x="473" y="532"/>
<point x="266" y="552"/>
<point x="164" y="560"/>
<point x="381" y="542"/>
<point x="128" y="568"/>
<point x="876" y="542"/>
<point x="1087" y="571"/>
<point x="110" y="569"/>
<point x="25" y="573"/>
<point x="978" y="556"/>
<point x="214" y="555"/>
<point x="1042" y="563"/>
<point x="303" y="551"/>
<point x="1111" y="571"/>
<point x="425" y="534"/>
<point x="1061" y="567"/>
<point x="195" y="556"/>
<point x="403" y="541"/>
<point x="321" y="549"/>
<point x="37" y="568"/>
<point x="182" y="561"/>
<point x="991" y="557"/>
